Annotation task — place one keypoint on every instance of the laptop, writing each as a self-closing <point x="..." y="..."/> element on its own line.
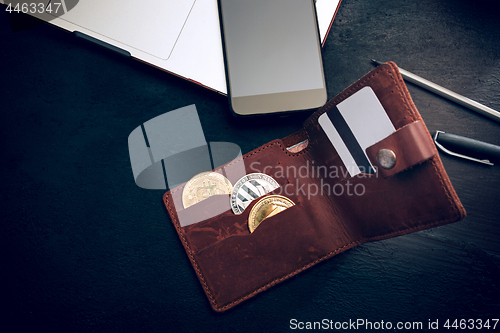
<point x="180" y="37"/>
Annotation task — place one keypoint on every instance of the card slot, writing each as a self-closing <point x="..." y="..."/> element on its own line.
<point x="281" y="244"/>
<point x="218" y="228"/>
<point x="295" y="218"/>
<point x="242" y="230"/>
<point x="228" y="224"/>
<point x="209" y="208"/>
<point x="212" y="231"/>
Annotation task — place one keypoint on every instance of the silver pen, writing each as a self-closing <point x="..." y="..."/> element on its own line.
<point x="467" y="102"/>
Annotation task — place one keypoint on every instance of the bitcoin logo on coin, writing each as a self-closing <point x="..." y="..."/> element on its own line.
<point x="203" y="186"/>
<point x="267" y="207"/>
<point x="249" y="188"/>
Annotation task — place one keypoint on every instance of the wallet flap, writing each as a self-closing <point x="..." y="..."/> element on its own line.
<point x="403" y="149"/>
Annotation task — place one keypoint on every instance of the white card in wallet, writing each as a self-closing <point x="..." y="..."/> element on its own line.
<point x="354" y="125"/>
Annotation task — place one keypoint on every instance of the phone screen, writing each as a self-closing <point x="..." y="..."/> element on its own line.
<point x="273" y="55"/>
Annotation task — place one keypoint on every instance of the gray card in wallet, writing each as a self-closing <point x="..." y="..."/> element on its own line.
<point x="354" y="125"/>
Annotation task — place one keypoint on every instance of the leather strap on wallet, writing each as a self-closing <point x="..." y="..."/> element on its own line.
<point x="333" y="210"/>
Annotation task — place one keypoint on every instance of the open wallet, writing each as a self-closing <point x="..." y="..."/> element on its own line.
<point x="338" y="204"/>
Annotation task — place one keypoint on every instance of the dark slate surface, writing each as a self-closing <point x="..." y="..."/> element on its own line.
<point x="83" y="249"/>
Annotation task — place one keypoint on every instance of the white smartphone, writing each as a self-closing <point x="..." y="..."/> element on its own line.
<point x="272" y="54"/>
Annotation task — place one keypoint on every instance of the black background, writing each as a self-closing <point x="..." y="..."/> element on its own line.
<point x="83" y="249"/>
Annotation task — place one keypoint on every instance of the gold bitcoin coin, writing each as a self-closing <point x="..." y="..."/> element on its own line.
<point x="203" y="186"/>
<point x="267" y="207"/>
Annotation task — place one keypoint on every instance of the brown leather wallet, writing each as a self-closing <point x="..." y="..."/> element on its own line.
<point x="333" y="211"/>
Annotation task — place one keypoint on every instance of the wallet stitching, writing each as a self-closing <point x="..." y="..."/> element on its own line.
<point x="403" y="92"/>
<point x="277" y="280"/>
<point x="446" y="189"/>
<point x="333" y="253"/>
<point x="190" y="252"/>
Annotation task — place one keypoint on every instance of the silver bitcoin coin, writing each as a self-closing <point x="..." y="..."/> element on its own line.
<point x="249" y="188"/>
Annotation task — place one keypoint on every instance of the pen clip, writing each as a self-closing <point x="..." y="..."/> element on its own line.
<point x="456" y="154"/>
